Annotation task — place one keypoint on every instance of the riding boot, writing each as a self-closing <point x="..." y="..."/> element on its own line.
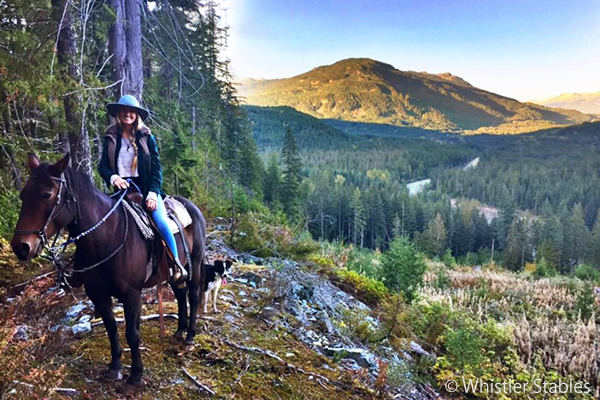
<point x="180" y="274"/>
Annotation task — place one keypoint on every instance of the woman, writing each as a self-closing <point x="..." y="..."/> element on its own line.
<point x="130" y="151"/>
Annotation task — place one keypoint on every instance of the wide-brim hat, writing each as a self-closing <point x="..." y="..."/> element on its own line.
<point x="127" y="101"/>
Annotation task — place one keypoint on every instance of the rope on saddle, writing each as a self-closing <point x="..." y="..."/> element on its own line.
<point x="143" y="226"/>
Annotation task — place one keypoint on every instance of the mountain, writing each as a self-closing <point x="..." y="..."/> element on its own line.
<point x="365" y="90"/>
<point x="584" y="102"/>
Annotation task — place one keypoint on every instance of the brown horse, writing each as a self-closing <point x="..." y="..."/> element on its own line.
<point x="56" y="197"/>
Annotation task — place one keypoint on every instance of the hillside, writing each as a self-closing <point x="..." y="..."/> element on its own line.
<point x="584" y="102"/>
<point x="268" y="129"/>
<point x="366" y="90"/>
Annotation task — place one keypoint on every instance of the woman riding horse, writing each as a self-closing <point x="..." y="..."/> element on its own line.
<point x="122" y="160"/>
<point x="112" y="257"/>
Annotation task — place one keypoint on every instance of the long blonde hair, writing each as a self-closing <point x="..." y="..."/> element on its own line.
<point x="138" y="126"/>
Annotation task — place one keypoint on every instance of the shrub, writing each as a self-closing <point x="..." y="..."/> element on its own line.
<point x="403" y="267"/>
<point x="543" y="270"/>
<point x="464" y="347"/>
<point x="374" y="291"/>
<point x="429" y="321"/>
<point x="585" y="304"/>
<point x="587" y="273"/>
<point x="302" y="246"/>
<point x="365" y="262"/>
<point x="442" y="279"/>
<point x="448" y="259"/>
<point x="10" y="206"/>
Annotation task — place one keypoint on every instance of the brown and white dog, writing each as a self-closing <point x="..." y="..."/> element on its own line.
<point x="215" y="276"/>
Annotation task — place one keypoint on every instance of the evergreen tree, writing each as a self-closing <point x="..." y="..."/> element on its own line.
<point x="272" y="181"/>
<point x="594" y="243"/>
<point x="358" y="220"/>
<point x="575" y="238"/>
<point x="436" y="236"/>
<point x="291" y="174"/>
<point x="518" y="244"/>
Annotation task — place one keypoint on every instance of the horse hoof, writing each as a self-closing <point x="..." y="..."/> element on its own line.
<point x="179" y="334"/>
<point x="129" y="389"/>
<point x="188" y="342"/>
<point x="112" y="375"/>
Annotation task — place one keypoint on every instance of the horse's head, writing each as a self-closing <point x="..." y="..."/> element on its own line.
<point x="42" y="212"/>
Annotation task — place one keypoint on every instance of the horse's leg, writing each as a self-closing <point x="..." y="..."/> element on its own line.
<point x="182" y="322"/>
<point x="103" y="306"/>
<point x="194" y="295"/>
<point x="133" y="308"/>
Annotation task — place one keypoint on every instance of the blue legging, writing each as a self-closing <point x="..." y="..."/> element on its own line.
<point x="160" y="217"/>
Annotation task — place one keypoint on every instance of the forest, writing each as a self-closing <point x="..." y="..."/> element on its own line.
<point x="493" y="294"/>
<point x="545" y="186"/>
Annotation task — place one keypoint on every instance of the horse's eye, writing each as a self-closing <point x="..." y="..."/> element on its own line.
<point x="46" y="195"/>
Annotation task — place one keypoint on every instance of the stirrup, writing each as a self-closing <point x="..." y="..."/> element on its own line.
<point x="180" y="274"/>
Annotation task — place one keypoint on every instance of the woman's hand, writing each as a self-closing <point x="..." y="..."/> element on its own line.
<point x="151" y="204"/>
<point x="121" y="183"/>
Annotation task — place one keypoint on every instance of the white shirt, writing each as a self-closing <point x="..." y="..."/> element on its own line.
<point x="124" y="161"/>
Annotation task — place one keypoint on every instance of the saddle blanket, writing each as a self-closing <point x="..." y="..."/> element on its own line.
<point x="174" y="206"/>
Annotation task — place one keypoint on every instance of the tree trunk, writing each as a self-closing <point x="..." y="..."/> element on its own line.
<point x="125" y="44"/>
<point x="66" y="50"/>
<point x="7" y="119"/>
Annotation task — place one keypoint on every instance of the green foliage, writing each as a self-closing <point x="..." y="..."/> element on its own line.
<point x="543" y="270"/>
<point x="403" y="267"/>
<point x="429" y="321"/>
<point x="464" y="348"/>
<point x="267" y="235"/>
<point x="442" y="279"/>
<point x="585" y="303"/>
<point x="10" y="207"/>
<point x="449" y="260"/>
<point x="365" y="262"/>
<point x="372" y="290"/>
<point x="587" y="273"/>
<point x="354" y="324"/>
<point x="290" y="193"/>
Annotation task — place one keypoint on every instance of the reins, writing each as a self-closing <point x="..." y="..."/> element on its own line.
<point x="56" y="253"/>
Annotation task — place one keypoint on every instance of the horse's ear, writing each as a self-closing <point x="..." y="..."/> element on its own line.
<point x="59" y="167"/>
<point x="32" y="162"/>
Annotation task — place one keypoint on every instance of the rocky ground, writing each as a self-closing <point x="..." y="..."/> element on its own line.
<point x="279" y="334"/>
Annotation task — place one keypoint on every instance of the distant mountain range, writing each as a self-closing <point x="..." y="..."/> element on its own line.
<point x="584" y="102"/>
<point x="365" y="90"/>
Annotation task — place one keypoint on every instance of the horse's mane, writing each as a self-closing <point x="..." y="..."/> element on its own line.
<point x="82" y="185"/>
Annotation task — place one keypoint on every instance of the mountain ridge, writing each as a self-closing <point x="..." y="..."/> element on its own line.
<point x="584" y="102"/>
<point x="366" y="90"/>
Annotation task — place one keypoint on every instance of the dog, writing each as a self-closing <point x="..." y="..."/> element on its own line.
<point x="215" y="276"/>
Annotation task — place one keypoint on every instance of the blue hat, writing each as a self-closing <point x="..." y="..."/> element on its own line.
<point x="128" y="101"/>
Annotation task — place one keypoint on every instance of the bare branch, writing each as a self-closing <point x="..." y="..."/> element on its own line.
<point x="93" y="88"/>
<point x="197" y="382"/>
<point x="57" y="36"/>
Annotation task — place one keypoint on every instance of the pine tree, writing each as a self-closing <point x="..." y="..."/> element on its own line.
<point x="291" y="174"/>
<point x="518" y="244"/>
<point x="435" y="236"/>
<point x="358" y="218"/>
<point x="272" y="181"/>
<point x="576" y="236"/>
<point x="594" y="243"/>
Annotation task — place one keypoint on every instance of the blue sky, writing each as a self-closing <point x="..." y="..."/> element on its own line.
<point x="528" y="49"/>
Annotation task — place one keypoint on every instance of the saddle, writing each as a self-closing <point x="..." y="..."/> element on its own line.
<point x="177" y="213"/>
<point x="178" y="219"/>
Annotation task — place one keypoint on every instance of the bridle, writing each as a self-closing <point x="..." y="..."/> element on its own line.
<point x="69" y="199"/>
<point x="55" y="253"/>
